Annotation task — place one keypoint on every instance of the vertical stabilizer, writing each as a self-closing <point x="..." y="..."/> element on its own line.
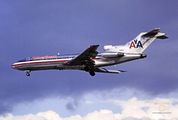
<point x="138" y="44"/>
<point x="143" y="40"/>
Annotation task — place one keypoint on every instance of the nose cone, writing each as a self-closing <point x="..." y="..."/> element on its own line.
<point x="13" y="66"/>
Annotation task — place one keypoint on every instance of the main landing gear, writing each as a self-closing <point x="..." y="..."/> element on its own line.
<point x="91" y="71"/>
<point x="28" y="73"/>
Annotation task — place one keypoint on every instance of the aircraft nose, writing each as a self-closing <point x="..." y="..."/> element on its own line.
<point x="13" y="66"/>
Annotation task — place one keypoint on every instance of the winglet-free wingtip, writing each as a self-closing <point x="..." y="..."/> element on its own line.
<point x="94" y="45"/>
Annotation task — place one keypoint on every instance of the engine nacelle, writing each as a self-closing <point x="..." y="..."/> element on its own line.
<point x="107" y="47"/>
<point x="112" y="55"/>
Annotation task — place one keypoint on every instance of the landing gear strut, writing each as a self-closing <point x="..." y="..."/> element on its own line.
<point x="28" y="73"/>
<point x="90" y="70"/>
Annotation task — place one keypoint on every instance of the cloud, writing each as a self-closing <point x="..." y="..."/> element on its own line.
<point x="72" y="105"/>
<point x="133" y="108"/>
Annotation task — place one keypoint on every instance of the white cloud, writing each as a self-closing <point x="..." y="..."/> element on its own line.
<point x="49" y="115"/>
<point x="88" y="102"/>
<point x="159" y="108"/>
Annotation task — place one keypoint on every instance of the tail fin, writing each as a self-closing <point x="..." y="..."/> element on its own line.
<point x="143" y="40"/>
<point x="139" y="44"/>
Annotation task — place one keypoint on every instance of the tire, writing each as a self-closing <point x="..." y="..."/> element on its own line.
<point x="92" y="73"/>
<point x="28" y="74"/>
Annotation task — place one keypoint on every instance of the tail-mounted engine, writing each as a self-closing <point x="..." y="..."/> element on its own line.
<point x="112" y="54"/>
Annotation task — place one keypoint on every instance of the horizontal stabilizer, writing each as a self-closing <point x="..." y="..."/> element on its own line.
<point x="104" y="70"/>
<point x="155" y="32"/>
<point x="162" y="37"/>
<point x="152" y="33"/>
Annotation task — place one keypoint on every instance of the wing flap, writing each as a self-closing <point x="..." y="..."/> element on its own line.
<point x="104" y="70"/>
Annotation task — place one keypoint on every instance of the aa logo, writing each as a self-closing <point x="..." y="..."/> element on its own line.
<point x="135" y="44"/>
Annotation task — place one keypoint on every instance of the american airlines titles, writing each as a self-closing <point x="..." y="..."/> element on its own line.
<point x="44" y="57"/>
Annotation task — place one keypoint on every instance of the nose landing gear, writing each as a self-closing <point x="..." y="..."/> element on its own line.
<point x="28" y="73"/>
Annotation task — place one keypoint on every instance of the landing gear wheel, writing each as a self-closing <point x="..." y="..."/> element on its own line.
<point x="28" y="74"/>
<point x="92" y="73"/>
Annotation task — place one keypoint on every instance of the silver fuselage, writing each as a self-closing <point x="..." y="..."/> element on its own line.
<point x="59" y="62"/>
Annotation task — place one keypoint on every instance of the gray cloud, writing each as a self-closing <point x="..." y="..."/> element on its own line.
<point x="72" y="105"/>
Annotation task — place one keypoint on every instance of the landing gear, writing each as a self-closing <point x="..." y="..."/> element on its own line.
<point x="90" y="70"/>
<point x="92" y="73"/>
<point x="87" y="68"/>
<point x="28" y="73"/>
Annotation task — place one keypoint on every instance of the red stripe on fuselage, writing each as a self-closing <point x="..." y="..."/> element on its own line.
<point x="42" y="62"/>
<point x="39" y="62"/>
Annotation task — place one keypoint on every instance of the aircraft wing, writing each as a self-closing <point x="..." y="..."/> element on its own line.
<point x="104" y="70"/>
<point x="85" y="56"/>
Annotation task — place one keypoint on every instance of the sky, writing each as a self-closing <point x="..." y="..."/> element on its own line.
<point x="48" y="27"/>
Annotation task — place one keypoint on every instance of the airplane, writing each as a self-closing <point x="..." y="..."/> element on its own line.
<point x="91" y="60"/>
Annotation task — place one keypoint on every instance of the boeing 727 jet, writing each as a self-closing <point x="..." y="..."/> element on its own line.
<point x="90" y="60"/>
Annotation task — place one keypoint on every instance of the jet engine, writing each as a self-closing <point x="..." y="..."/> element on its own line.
<point x="107" y="47"/>
<point x="112" y="55"/>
